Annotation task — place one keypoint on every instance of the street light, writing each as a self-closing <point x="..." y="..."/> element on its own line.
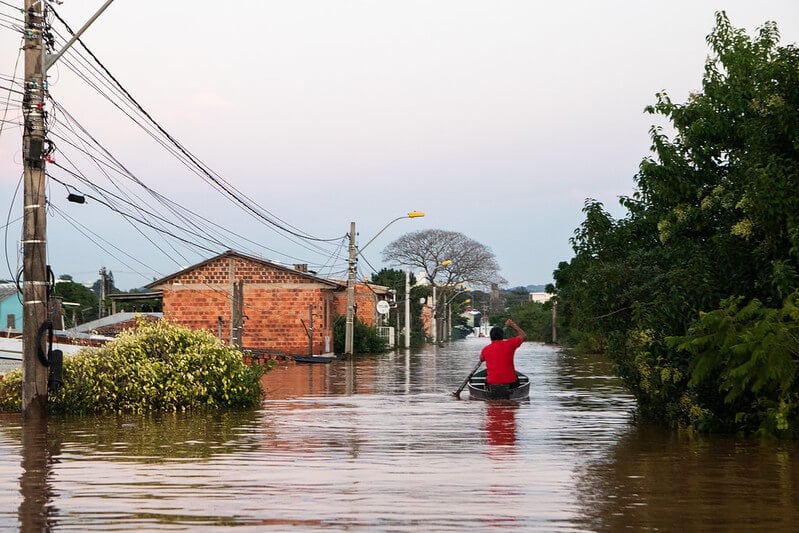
<point x="350" y="329"/>
<point x="448" y="306"/>
<point x="412" y="214"/>
<point x="434" y="313"/>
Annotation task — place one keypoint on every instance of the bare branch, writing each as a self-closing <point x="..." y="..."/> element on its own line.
<point x="471" y="262"/>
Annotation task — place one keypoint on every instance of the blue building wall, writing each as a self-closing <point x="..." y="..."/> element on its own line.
<point x="10" y="305"/>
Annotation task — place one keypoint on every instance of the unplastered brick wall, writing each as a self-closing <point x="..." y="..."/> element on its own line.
<point x="278" y="304"/>
<point x="366" y="303"/>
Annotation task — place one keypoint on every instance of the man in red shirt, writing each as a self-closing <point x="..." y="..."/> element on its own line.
<point x="498" y="356"/>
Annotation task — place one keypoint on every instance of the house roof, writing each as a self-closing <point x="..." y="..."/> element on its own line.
<point x="250" y="258"/>
<point x="110" y="320"/>
<point x="7" y="289"/>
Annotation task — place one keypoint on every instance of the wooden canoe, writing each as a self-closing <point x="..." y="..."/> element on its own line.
<point x="313" y="358"/>
<point x="477" y="387"/>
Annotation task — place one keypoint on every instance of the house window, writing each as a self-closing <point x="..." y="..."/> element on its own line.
<point x="11" y="321"/>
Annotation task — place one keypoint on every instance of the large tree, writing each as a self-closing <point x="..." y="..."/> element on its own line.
<point x="693" y="293"/>
<point x="446" y="258"/>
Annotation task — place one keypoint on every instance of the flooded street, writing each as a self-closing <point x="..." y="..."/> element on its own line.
<point x="382" y="445"/>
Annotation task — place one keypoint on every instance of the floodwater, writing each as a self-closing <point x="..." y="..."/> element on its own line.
<point x="382" y="445"/>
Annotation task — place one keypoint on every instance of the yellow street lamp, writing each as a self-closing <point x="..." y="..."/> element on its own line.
<point x="350" y="327"/>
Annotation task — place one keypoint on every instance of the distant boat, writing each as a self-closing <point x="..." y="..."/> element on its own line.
<point x="477" y="387"/>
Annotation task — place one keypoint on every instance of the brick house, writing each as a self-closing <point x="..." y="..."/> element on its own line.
<point x="279" y="305"/>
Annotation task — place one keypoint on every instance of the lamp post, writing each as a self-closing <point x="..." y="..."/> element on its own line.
<point x="434" y="325"/>
<point x="353" y="255"/>
<point x="449" y="310"/>
<point x="407" y="308"/>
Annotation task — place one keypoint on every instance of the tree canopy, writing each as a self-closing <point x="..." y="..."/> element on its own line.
<point x="71" y="292"/>
<point x="446" y="258"/>
<point x="693" y="293"/>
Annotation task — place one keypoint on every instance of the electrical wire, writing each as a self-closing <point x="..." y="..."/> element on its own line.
<point x="8" y="223"/>
<point x="8" y="99"/>
<point x="88" y="233"/>
<point x="222" y="185"/>
<point x="128" y="206"/>
<point x="125" y="172"/>
<point x="12" y="6"/>
<point x="143" y="126"/>
<point x="180" y="211"/>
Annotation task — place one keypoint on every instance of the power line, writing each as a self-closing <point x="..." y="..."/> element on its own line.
<point x="129" y="207"/>
<point x="113" y="164"/>
<point x="127" y="173"/>
<point x="220" y="183"/>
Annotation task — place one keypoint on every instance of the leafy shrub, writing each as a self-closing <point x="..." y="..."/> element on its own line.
<point x="365" y="339"/>
<point x="158" y="366"/>
<point x="743" y="366"/>
<point x="10" y="391"/>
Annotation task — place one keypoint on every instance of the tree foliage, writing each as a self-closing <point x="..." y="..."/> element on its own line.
<point x="690" y="287"/>
<point x="365" y="339"/>
<point x="469" y="261"/>
<point x="71" y="292"/>
<point x="395" y="280"/>
<point x="534" y="318"/>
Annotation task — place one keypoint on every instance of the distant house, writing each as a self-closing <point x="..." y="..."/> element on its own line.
<point x="10" y="307"/>
<point x="282" y="309"/>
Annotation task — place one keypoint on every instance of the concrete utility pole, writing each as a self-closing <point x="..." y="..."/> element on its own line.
<point x="434" y="316"/>
<point x="34" y="220"/>
<point x="103" y="285"/>
<point x="237" y="315"/>
<point x="407" y="308"/>
<point x="554" y="321"/>
<point x="34" y="246"/>
<point x="349" y="335"/>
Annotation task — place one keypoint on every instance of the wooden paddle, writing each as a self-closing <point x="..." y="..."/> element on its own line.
<point x="457" y="393"/>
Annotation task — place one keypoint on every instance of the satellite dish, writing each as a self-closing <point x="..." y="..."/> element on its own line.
<point x="383" y="307"/>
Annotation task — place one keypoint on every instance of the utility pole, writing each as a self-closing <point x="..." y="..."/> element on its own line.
<point x="34" y="220"/>
<point x="434" y="316"/>
<point x="310" y="329"/>
<point x="554" y="320"/>
<point x="237" y="315"/>
<point x="34" y="246"/>
<point x="349" y="335"/>
<point x="101" y="310"/>
<point x="407" y="308"/>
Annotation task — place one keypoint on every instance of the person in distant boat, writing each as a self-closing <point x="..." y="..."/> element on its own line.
<point x="498" y="356"/>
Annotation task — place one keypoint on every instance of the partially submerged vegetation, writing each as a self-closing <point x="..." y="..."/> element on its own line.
<point x="693" y="293"/>
<point x="155" y="367"/>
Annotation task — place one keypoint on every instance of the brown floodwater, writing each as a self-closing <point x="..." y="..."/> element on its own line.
<point x="380" y="444"/>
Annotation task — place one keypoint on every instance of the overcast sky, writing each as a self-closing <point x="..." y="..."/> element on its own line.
<point x="496" y="118"/>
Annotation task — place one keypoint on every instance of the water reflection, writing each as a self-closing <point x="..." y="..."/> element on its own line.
<point x="88" y="465"/>
<point x="36" y="510"/>
<point x="655" y="478"/>
<point x="380" y="443"/>
<point x="500" y="423"/>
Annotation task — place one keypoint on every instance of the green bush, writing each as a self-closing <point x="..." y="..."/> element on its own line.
<point x="365" y="339"/>
<point x="158" y="366"/>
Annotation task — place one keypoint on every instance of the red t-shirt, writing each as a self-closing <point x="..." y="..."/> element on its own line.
<point x="499" y="360"/>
